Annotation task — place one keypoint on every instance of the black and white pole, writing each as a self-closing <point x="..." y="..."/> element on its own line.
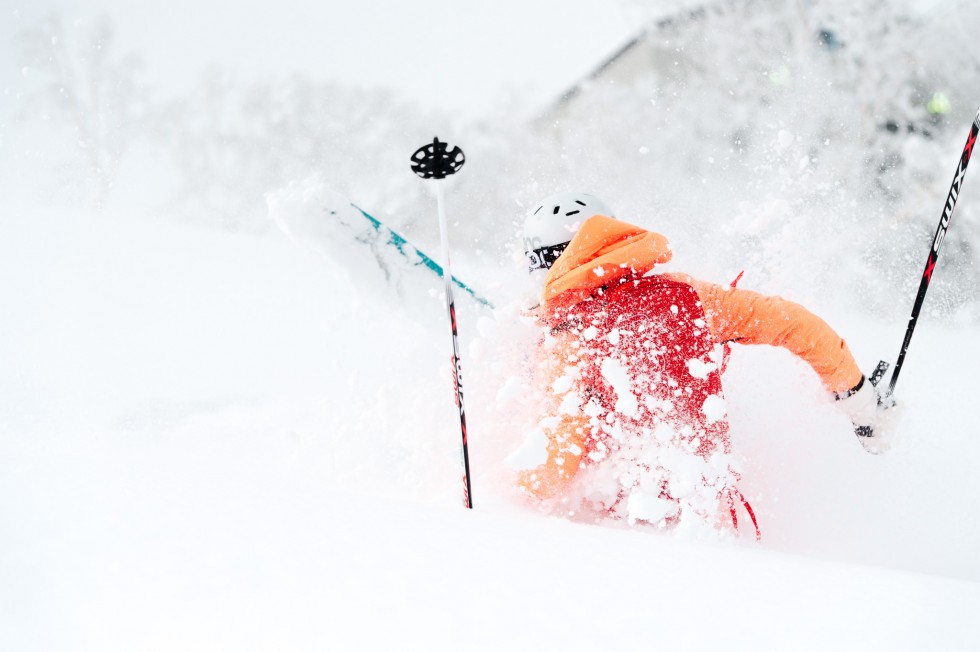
<point x="937" y="244"/>
<point x="436" y="161"/>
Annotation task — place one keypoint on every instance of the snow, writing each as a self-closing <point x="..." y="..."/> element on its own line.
<point x="700" y="368"/>
<point x="714" y="408"/>
<point x="617" y="376"/>
<point x="649" y="508"/>
<point x="563" y="384"/>
<point x="570" y="404"/>
<point x="614" y="336"/>
<point x="226" y="438"/>
<point x="219" y="449"/>
<point x="227" y="446"/>
<point x="269" y="561"/>
<point x="532" y="453"/>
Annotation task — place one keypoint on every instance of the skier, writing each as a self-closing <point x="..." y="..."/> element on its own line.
<point x="633" y="360"/>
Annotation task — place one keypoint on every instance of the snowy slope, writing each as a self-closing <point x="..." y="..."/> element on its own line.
<point x="218" y="441"/>
<point x="162" y="553"/>
<point x="215" y="441"/>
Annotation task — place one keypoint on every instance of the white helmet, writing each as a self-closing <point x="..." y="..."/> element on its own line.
<point x="554" y="221"/>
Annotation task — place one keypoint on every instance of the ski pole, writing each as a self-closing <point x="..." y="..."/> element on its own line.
<point x="937" y="243"/>
<point x="436" y="161"/>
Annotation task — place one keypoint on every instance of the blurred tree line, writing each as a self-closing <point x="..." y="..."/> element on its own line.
<point x="799" y="140"/>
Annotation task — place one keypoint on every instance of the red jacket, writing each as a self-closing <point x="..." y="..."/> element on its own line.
<point x="636" y="349"/>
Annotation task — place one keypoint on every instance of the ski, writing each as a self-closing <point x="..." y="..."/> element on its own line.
<point x="315" y="217"/>
<point x="413" y="254"/>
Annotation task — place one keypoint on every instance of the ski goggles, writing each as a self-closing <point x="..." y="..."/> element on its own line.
<point x="544" y="257"/>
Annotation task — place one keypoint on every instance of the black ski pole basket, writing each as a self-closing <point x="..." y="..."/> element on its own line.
<point x="436" y="160"/>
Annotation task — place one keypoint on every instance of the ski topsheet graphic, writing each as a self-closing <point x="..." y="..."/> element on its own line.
<point x="311" y="214"/>
<point x="413" y="254"/>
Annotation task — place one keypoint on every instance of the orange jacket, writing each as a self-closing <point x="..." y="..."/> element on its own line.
<point x="606" y="251"/>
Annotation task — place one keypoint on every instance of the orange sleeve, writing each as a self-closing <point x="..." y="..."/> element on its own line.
<point x="565" y="427"/>
<point x="566" y="446"/>
<point x="748" y="317"/>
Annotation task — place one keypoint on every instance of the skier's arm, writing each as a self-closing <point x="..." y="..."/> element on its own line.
<point x="748" y="317"/>
<point x="566" y="445"/>
<point x="565" y="429"/>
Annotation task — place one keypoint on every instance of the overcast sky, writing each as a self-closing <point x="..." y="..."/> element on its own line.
<point x="453" y="53"/>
